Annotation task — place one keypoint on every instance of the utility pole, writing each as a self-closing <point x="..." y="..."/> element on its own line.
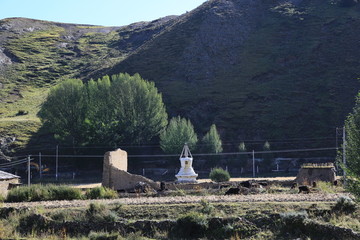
<point x="253" y="157"/>
<point x="28" y="168"/>
<point x="40" y="166"/>
<point x="344" y="154"/>
<point x="57" y="162"/>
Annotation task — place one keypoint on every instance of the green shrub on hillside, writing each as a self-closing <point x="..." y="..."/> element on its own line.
<point x="219" y="175"/>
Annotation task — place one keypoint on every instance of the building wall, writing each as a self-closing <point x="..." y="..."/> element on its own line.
<point x="4" y="185"/>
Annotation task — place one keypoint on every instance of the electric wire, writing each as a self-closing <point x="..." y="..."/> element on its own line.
<point x="202" y="154"/>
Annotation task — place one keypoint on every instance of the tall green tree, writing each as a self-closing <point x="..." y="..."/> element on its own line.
<point x="352" y="168"/>
<point x="268" y="158"/>
<point x="120" y="109"/>
<point x="138" y="112"/>
<point x="243" y="158"/>
<point x="211" y="142"/>
<point x="100" y="117"/>
<point x="64" y="111"/>
<point x="178" y="132"/>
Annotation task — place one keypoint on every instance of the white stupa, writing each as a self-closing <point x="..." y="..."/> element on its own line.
<point x="186" y="173"/>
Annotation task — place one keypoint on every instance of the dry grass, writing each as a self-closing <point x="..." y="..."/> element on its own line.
<point x="257" y="179"/>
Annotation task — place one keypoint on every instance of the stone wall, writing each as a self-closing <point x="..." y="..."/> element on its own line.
<point x="307" y="176"/>
<point x="5" y="185"/>
<point x="115" y="173"/>
<point x="113" y="160"/>
<point x="122" y="180"/>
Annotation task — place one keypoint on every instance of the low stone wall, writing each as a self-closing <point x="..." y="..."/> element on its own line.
<point x="122" y="180"/>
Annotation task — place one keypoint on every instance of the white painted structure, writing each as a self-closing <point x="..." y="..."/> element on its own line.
<point x="186" y="173"/>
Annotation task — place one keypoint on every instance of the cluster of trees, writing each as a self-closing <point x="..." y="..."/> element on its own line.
<point x="120" y="109"/>
<point x="112" y="110"/>
<point x="124" y="109"/>
<point x="181" y="131"/>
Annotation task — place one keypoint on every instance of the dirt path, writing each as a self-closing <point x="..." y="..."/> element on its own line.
<point x="314" y="197"/>
<point x="92" y="185"/>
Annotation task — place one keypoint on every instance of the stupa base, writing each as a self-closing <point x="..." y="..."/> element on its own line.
<point x="186" y="179"/>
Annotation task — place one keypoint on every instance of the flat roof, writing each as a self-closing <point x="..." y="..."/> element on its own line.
<point x="6" y="175"/>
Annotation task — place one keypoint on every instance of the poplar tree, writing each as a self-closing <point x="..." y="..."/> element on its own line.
<point x="178" y="132"/>
<point x="268" y="158"/>
<point x="243" y="158"/>
<point x="211" y="141"/>
<point x="120" y="109"/>
<point x="64" y="111"/>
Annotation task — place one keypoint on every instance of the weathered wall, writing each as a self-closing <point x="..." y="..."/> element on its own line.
<point x="122" y="180"/>
<point x="4" y="185"/>
<point x="309" y="175"/>
<point x="113" y="160"/>
<point x="115" y="173"/>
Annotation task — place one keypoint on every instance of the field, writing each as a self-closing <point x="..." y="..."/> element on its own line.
<point x="275" y="212"/>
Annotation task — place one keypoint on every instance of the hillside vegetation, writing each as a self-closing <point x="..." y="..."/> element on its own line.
<point x="257" y="69"/>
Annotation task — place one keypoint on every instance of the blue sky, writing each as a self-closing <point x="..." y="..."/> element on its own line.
<point x="96" y="12"/>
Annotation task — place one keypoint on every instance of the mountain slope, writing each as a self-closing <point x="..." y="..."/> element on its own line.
<point x="257" y="69"/>
<point x="35" y="55"/>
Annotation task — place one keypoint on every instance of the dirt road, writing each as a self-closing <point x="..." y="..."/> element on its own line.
<point x="314" y="197"/>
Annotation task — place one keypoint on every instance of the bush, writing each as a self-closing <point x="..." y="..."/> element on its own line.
<point x="103" y="236"/>
<point x="344" y="205"/>
<point x="63" y="192"/>
<point x="293" y="222"/>
<point x="191" y="225"/>
<point x="21" y="113"/>
<point x="219" y="175"/>
<point x="43" y="193"/>
<point x="99" y="213"/>
<point x="206" y="207"/>
<point x="100" y="193"/>
<point x="326" y="187"/>
<point x="27" y="194"/>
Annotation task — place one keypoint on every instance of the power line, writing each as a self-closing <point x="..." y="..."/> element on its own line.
<point x="11" y="164"/>
<point x="273" y="141"/>
<point x="202" y="154"/>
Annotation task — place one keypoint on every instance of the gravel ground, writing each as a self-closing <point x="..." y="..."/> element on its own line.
<point x="314" y="197"/>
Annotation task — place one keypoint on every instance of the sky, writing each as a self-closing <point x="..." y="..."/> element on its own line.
<point x="96" y="12"/>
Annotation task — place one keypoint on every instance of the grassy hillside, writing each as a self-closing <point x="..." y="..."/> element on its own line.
<point x="257" y="69"/>
<point x="35" y="55"/>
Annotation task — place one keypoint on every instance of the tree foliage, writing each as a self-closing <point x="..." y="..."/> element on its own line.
<point x="243" y="158"/>
<point x="64" y="111"/>
<point x="211" y="141"/>
<point x="178" y="132"/>
<point x="268" y="158"/>
<point x="352" y="168"/>
<point x="120" y="109"/>
<point x="219" y="175"/>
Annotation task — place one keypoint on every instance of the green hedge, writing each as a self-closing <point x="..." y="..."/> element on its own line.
<point x="38" y="192"/>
